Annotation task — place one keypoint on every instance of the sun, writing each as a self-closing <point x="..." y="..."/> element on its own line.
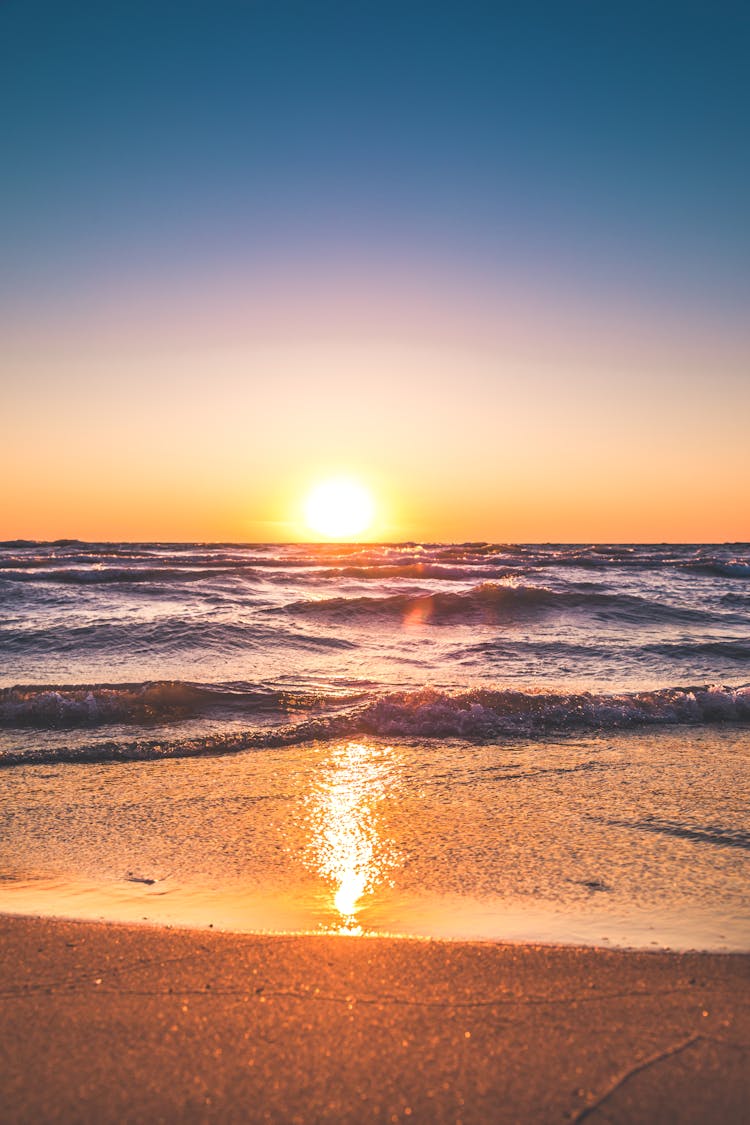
<point x="339" y="508"/>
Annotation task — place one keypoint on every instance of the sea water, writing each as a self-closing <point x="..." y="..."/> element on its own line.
<point x="476" y="740"/>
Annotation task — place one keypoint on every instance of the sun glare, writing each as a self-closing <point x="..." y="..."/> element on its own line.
<point x="339" y="508"/>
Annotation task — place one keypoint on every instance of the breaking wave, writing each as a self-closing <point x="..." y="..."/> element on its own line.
<point x="427" y="713"/>
<point x="60" y="706"/>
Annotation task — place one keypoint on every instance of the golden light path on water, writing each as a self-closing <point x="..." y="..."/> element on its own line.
<point x="347" y="849"/>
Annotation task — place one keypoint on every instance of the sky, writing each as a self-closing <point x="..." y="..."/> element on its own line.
<point x="492" y="261"/>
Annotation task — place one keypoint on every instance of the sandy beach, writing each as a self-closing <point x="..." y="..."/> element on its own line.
<point x="127" y="1023"/>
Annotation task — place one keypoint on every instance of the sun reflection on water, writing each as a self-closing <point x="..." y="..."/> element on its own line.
<point x="347" y="849"/>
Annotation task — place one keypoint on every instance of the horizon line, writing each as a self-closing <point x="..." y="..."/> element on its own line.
<point x="72" y="540"/>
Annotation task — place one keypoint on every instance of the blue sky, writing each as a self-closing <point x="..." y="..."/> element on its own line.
<point x="607" y="139"/>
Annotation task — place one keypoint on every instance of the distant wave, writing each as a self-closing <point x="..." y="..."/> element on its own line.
<point x="74" y="563"/>
<point x="730" y="649"/>
<point x="490" y="601"/>
<point x="718" y="568"/>
<point x="432" y="570"/>
<point x="148" y="563"/>
<point x="730" y="556"/>
<point x="430" y="713"/>
<point x="76" y="576"/>
<point x="164" y="636"/>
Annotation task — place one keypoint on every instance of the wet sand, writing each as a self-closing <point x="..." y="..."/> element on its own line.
<point x="124" y="1023"/>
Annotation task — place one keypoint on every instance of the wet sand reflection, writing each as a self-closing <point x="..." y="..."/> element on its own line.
<point x="347" y="848"/>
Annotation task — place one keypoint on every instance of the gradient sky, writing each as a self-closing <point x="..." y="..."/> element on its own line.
<point x="492" y="260"/>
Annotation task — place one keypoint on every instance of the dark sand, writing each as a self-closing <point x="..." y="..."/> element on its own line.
<point x="121" y="1023"/>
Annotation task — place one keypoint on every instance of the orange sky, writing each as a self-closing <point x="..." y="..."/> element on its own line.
<point x="506" y="416"/>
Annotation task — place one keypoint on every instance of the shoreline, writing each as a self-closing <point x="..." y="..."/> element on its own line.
<point x="572" y="843"/>
<point x="299" y="912"/>
<point x="103" y="1021"/>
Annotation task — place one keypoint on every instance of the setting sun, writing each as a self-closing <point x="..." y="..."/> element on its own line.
<point x="339" y="508"/>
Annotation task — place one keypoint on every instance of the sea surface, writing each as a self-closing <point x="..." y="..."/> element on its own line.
<point x="474" y="740"/>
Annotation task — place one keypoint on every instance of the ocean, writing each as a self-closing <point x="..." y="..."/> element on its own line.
<point x="546" y="742"/>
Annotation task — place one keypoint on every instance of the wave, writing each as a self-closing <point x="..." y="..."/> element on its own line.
<point x="429" y="714"/>
<point x="60" y="706"/>
<point x="488" y="602"/>
<point x="431" y="570"/>
<point x="75" y="576"/>
<point x="718" y="568"/>
<point x="738" y="649"/>
<point x="166" y="635"/>
<point x="73" y="563"/>
<point x="83" y="705"/>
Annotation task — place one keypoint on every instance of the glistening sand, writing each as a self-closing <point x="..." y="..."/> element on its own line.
<point x="112" y="1023"/>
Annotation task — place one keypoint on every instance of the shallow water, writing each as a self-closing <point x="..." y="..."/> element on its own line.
<point x="627" y="839"/>
<point x="536" y="743"/>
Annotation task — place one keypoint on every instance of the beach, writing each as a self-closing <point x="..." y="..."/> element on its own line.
<point x="374" y="564"/>
<point x="374" y="833"/>
<point x="126" y="1023"/>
